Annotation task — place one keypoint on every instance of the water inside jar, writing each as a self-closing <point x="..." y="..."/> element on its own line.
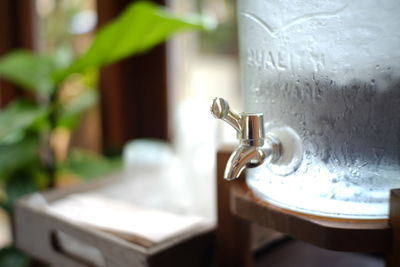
<point x="331" y="72"/>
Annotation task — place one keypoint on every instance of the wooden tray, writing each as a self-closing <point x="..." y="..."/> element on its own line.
<point x="46" y="237"/>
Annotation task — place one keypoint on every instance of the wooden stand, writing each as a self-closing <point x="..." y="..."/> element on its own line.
<point x="238" y="208"/>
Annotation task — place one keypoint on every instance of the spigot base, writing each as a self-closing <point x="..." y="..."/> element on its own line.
<point x="290" y="151"/>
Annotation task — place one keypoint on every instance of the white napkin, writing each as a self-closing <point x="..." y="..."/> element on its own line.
<point x="140" y="225"/>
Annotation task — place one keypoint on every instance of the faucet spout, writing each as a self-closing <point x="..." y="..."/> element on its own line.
<point x="255" y="146"/>
<point x="245" y="156"/>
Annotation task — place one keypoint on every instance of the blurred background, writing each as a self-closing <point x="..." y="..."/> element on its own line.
<point x="160" y="98"/>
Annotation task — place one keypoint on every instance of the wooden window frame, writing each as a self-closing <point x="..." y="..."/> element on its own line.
<point x="134" y="95"/>
<point x="17" y="26"/>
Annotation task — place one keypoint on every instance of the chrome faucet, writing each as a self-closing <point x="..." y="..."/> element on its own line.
<point x="255" y="146"/>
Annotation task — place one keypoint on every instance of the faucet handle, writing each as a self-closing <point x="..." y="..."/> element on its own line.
<point x="249" y="126"/>
<point x="281" y="147"/>
<point x="220" y="109"/>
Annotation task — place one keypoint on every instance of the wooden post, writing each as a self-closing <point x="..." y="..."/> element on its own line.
<point x="393" y="257"/>
<point x="17" y="27"/>
<point x="233" y="242"/>
<point x="134" y="93"/>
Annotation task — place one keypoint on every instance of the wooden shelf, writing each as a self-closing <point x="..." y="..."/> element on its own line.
<point x="341" y="235"/>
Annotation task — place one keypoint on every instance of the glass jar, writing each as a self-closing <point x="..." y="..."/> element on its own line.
<point x="328" y="71"/>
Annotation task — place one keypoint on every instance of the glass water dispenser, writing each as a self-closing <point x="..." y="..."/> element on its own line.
<point x="321" y="82"/>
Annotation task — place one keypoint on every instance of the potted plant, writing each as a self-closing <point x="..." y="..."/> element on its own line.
<point x="28" y="161"/>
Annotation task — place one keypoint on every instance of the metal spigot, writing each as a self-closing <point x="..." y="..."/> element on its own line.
<point x="255" y="147"/>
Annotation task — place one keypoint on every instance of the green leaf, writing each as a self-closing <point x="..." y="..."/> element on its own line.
<point x="14" y="156"/>
<point x="88" y="165"/>
<point x="28" y="70"/>
<point x="12" y="257"/>
<point x="71" y="111"/>
<point x="63" y="57"/>
<point x="16" y="120"/>
<point x="22" y="183"/>
<point x="140" y="27"/>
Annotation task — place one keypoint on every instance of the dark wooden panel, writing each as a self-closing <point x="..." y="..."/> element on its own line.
<point x="295" y="253"/>
<point x="134" y="92"/>
<point x="393" y="259"/>
<point x="17" y="29"/>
